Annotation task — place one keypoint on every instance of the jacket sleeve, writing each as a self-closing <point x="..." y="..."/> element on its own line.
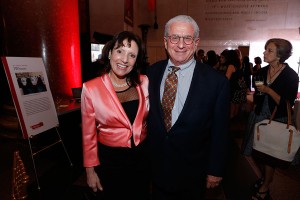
<point x="89" y="130"/>
<point x="220" y="128"/>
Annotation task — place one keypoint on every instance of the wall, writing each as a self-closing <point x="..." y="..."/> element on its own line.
<point x="47" y="29"/>
<point x="231" y="23"/>
<point x="106" y="16"/>
<point x="223" y="23"/>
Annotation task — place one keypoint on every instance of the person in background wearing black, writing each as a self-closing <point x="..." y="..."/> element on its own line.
<point x="247" y="72"/>
<point x="257" y="66"/>
<point x="212" y="59"/>
<point x="200" y="56"/>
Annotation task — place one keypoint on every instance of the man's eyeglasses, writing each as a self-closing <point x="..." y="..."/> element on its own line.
<point x="174" y="39"/>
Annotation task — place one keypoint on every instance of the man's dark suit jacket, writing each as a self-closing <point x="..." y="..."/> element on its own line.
<point x="196" y="145"/>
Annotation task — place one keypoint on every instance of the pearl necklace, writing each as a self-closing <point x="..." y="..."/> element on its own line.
<point x="116" y="84"/>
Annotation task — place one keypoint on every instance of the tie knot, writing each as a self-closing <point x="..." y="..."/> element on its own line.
<point x="175" y="69"/>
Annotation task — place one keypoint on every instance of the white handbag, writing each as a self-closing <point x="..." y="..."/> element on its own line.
<point x="277" y="139"/>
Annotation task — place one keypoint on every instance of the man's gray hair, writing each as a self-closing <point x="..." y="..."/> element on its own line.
<point x="182" y="18"/>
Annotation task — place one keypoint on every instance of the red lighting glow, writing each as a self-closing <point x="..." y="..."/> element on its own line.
<point x="66" y="18"/>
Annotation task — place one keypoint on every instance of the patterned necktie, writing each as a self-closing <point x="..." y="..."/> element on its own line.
<point x="169" y="97"/>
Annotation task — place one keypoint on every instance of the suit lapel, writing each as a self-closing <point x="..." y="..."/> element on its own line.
<point x="158" y="75"/>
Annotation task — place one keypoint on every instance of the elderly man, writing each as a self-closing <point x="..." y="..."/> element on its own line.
<point x="188" y="119"/>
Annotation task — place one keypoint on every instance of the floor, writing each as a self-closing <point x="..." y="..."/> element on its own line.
<point x="243" y="170"/>
<point x="64" y="181"/>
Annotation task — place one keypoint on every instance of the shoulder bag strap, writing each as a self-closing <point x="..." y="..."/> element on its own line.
<point x="273" y="114"/>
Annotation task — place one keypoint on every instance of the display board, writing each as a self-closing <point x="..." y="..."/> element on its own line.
<point x="31" y="94"/>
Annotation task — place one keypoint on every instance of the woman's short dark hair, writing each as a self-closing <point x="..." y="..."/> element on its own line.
<point x="257" y="60"/>
<point x="118" y="39"/>
<point x="284" y="48"/>
<point x="246" y="59"/>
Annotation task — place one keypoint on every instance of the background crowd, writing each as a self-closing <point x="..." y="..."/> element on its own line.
<point x="239" y="71"/>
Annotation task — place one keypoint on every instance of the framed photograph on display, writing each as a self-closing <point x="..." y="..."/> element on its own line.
<point x="128" y="12"/>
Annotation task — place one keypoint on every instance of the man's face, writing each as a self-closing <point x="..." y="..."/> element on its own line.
<point x="181" y="52"/>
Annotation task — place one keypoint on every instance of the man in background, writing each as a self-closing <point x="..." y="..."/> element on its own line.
<point x="200" y="56"/>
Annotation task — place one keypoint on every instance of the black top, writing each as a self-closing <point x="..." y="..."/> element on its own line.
<point x="285" y="85"/>
<point x="131" y="108"/>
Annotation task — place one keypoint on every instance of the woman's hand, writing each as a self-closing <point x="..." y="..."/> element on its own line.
<point x="262" y="88"/>
<point x="267" y="90"/>
<point x="93" y="180"/>
<point x="213" y="181"/>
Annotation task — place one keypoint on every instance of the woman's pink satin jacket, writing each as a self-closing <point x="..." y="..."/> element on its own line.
<point x="104" y="119"/>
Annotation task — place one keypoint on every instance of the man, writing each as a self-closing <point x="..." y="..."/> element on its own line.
<point x="190" y="156"/>
<point x="200" y="56"/>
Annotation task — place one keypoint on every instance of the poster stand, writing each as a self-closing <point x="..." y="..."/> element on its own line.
<point x="33" y="154"/>
<point x="33" y="101"/>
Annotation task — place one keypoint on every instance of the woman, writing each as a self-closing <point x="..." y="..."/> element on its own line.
<point x="212" y="59"/>
<point x="247" y="71"/>
<point x="281" y="85"/>
<point x="114" y="108"/>
<point x="236" y="79"/>
<point x="223" y="65"/>
<point x="256" y="68"/>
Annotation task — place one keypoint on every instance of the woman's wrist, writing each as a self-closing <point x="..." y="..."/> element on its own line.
<point x="268" y="89"/>
<point x="89" y="170"/>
